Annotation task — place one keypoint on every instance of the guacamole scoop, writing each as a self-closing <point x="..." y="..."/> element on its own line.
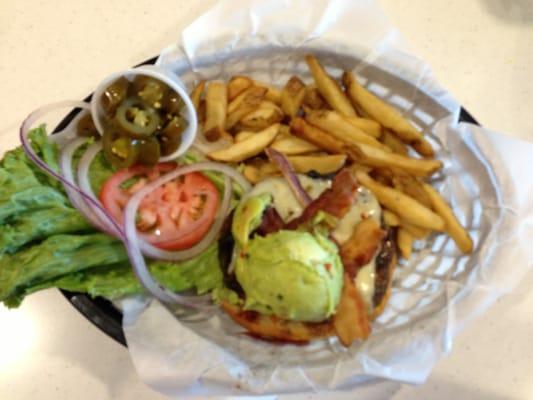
<point x="294" y="275"/>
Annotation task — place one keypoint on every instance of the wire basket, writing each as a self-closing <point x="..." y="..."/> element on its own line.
<point x="421" y="284"/>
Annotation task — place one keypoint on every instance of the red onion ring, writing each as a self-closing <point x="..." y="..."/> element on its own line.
<point x="290" y="176"/>
<point x="28" y="149"/>
<point x="129" y="234"/>
<point x="65" y="165"/>
<point x="130" y="230"/>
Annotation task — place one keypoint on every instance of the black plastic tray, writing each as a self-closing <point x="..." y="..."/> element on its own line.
<point x="102" y="313"/>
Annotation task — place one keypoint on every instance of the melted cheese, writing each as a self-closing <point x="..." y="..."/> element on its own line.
<point x="366" y="206"/>
<point x="364" y="282"/>
<point x="283" y="198"/>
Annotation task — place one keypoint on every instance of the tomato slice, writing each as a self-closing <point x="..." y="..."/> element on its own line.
<point x="175" y="216"/>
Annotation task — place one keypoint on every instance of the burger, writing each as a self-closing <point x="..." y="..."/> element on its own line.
<point x="303" y="270"/>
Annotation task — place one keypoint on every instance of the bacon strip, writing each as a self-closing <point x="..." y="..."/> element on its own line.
<point x="271" y="222"/>
<point x="364" y="243"/>
<point x="336" y="201"/>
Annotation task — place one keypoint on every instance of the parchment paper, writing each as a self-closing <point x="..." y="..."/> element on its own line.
<point x="484" y="179"/>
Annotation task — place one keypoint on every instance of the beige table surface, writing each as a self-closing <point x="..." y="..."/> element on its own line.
<point x="481" y="50"/>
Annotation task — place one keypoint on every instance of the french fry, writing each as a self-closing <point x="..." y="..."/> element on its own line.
<point x="272" y="94"/>
<point x="292" y="96"/>
<point x="216" y="102"/>
<point x="411" y="187"/>
<point x="415" y="231"/>
<point x="360" y="167"/>
<point x="316" y="136"/>
<point x="196" y="95"/>
<point x="322" y="164"/>
<point x="201" y="112"/>
<point x="369" y="126"/>
<point x="251" y="173"/>
<point x="261" y="119"/>
<point x="251" y="101"/>
<point x="313" y="99"/>
<point x="243" y="135"/>
<point x="390" y="218"/>
<point x="247" y="148"/>
<point x="350" y="322"/>
<point x="386" y="115"/>
<point x="292" y="145"/>
<point x="269" y="104"/>
<point x="393" y="143"/>
<point x="383" y="175"/>
<point x="335" y="124"/>
<point x="256" y="91"/>
<point x="378" y="158"/>
<point x="452" y="226"/>
<point x="237" y="85"/>
<point x="405" y="242"/>
<point x="329" y="89"/>
<point x="405" y="207"/>
<point x="284" y="131"/>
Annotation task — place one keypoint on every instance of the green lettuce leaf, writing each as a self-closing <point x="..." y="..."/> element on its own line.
<point x="118" y="280"/>
<point x="56" y="256"/>
<point x="45" y="242"/>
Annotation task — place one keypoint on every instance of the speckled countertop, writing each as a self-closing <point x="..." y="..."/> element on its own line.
<point x="481" y="50"/>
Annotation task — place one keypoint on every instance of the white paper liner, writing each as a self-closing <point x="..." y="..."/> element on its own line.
<point x="435" y="294"/>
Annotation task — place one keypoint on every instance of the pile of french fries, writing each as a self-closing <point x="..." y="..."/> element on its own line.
<point x="324" y="126"/>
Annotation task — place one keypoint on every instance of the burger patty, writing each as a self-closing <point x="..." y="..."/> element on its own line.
<point x="385" y="264"/>
<point x="270" y="327"/>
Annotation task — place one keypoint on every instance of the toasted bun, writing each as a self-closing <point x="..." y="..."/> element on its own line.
<point x="270" y="327"/>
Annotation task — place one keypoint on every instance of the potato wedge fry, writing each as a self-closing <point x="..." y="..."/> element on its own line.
<point x="329" y="89"/>
<point x="386" y="115"/>
<point x="378" y="158"/>
<point x="261" y="119"/>
<point x="292" y="96"/>
<point x="415" y="231"/>
<point x="405" y="242"/>
<point x="322" y="164"/>
<point x="292" y="145"/>
<point x="411" y="187"/>
<point x="351" y="320"/>
<point x="255" y="91"/>
<point x="316" y="136"/>
<point x="216" y="102"/>
<point x="452" y="226"/>
<point x="369" y="126"/>
<point x="247" y="148"/>
<point x="335" y="124"/>
<point x="405" y="207"/>
<point x="392" y="142"/>
<point x="196" y="95"/>
<point x="272" y="94"/>
<point x="243" y="135"/>
<point x="313" y="99"/>
<point x="237" y="85"/>
<point x="251" y="101"/>
<point x="390" y="218"/>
